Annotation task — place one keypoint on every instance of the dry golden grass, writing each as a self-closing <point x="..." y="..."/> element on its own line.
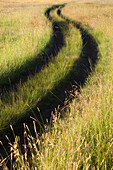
<point x="30" y="18"/>
<point x="31" y="1"/>
<point x="98" y="16"/>
<point x="48" y="1"/>
<point x="83" y="139"/>
<point x="43" y="1"/>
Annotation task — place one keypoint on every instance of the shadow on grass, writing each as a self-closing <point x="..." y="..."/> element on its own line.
<point x="39" y="61"/>
<point x="77" y="76"/>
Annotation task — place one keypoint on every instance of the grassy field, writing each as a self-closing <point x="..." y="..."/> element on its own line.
<point x="31" y="1"/>
<point x="16" y="105"/>
<point x="82" y="137"/>
<point x="49" y="1"/>
<point x="22" y="37"/>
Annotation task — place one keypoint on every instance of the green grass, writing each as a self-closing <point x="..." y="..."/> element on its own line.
<point x="16" y="106"/>
<point x="21" y="41"/>
<point x="82" y="138"/>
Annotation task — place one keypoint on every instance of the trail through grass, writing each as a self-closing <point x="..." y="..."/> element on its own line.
<point x="82" y="139"/>
<point x="23" y="37"/>
<point x="16" y="106"/>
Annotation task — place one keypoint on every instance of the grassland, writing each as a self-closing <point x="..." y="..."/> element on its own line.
<point x="31" y="1"/>
<point x="16" y="105"/>
<point x="51" y="1"/>
<point x="82" y="138"/>
<point x="22" y="37"/>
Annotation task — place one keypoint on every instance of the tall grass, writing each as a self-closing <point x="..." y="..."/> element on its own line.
<point x="82" y="139"/>
<point x="17" y="105"/>
<point x="22" y="38"/>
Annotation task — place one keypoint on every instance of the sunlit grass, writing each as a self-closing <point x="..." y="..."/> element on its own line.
<point x="24" y="33"/>
<point x="16" y="106"/>
<point x="50" y="1"/>
<point x="31" y="1"/>
<point x="82" y="139"/>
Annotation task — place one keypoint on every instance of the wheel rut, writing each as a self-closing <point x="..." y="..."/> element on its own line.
<point x="57" y="41"/>
<point x="77" y="76"/>
<point x="89" y="54"/>
<point x="39" y="61"/>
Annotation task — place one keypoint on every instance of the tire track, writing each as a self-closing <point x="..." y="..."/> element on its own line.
<point x="79" y="73"/>
<point x="90" y="50"/>
<point x="35" y="65"/>
<point x="57" y="44"/>
<point x="51" y="51"/>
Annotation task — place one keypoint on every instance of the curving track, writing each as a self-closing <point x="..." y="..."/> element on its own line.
<point x="89" y="53"/>
<point x="78" y="73"/>
<point x="39" y="61"/>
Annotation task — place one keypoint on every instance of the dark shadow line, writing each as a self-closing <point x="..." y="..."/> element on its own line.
<point x="35" y="65"/>
<point x="56" y="43"/>
<point x="90" y="50"/>
<point x="77" y="76"/>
